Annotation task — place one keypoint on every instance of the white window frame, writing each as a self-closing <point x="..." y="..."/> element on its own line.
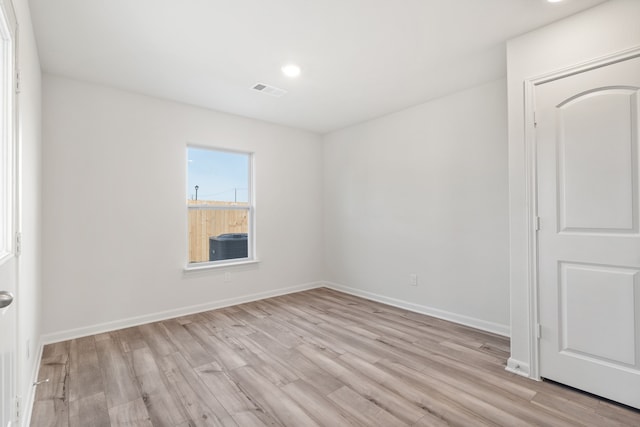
<point x="8" y="146"/>
<point x="251" y="230"/>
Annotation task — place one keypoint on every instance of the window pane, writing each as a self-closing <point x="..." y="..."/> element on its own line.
<point x="217" y="234"/>
<point x="218" y="196"/>
<point x="220" y="176"/>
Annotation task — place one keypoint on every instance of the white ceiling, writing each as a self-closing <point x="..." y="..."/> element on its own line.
<point x="360" y="59"/>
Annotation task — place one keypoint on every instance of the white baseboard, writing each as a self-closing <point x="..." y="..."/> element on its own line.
<point x="484" y="325"/>
<point x="29" y="395"/>
<point x="169" y="314"/>
<point x="517" y="367"/>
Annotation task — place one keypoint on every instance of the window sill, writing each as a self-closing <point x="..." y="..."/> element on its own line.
<point x="206" y="266"/>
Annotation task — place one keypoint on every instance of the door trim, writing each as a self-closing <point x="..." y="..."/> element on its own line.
<point x="531" y="190"/>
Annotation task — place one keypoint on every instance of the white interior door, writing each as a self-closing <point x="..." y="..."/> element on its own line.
<point x="589" y="239"/>
<point x="8" y="217"/>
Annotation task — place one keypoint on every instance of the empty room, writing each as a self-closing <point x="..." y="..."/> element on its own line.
<point x="319" y="213"/>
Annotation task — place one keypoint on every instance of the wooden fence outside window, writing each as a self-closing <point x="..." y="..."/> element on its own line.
<point x="205" y="223"/>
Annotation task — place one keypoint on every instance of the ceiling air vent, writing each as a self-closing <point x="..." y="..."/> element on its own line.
<point x="269" y="90"/>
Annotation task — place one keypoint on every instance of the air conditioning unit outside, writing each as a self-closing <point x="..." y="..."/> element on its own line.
<point x="228" y="246"/>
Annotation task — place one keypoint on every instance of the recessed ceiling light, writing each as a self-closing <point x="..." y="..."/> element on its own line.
<point x="554" y="1"/>
<point x="291" y="70"/>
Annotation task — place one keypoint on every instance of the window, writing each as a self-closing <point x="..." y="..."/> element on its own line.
<point x="219" y="207"/>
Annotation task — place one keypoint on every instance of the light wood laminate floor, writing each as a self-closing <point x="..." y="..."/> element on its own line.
<point x="315" y="358"/>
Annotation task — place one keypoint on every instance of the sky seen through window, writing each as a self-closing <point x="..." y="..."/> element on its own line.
<point x="220" y="175"/>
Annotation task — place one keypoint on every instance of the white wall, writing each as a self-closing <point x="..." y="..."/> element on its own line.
<point x="605" y="29"/>
<point x="424" y="191"/>
<point x="29" y="267"/>
<point x="114" y="221"/>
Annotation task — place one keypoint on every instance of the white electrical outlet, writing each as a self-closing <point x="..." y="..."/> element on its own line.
<point x="413" y="279"/>
<point x="227" y="277"/>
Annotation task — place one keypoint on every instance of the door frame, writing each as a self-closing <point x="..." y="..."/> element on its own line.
<point x="10" y="206"/>
<point x="531" y="189"/>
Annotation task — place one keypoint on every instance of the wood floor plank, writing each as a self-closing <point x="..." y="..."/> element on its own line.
<point x="186" y="344"/>
<point x="278" y="333"/>
<point x="130" y="339"/>
<point x="310" y="335"/>
<point x="52" y="395"/>
<point x="130" y="414"/>
<point x="219" y="354"/>
<point x="318" y="357"/>
<point x="562" y="407"/>
<point x="249" y="419"/>
<point x="228" y="353"/>
<point x="295" y="366"/>
<point x="82" y="352"/>
<point x="438" y="407"/>
<point x="321" y="409"/>
<point x="369" y="389"/>
<point x="156" y="339"/>
<point x="270" y="365"/>
<point x="120" y="386"/>
<point x="496" y="397"/>
<point x="54" y="367"/>
<point x="363" y="410"/>
<point x="476" y="404"/>
<point x="45" y="414"/>
<point x="85" y="375"/>
<point x="234" y="399"/>
<point x="162" y="408"/>
<point x="219" y="320"/>
<point x="612" y="411"/>
<point x="89" y="411"/>
<point x="271" y="398"/>
<point x="198" y="411"/>
<point x="254" y="309"/>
